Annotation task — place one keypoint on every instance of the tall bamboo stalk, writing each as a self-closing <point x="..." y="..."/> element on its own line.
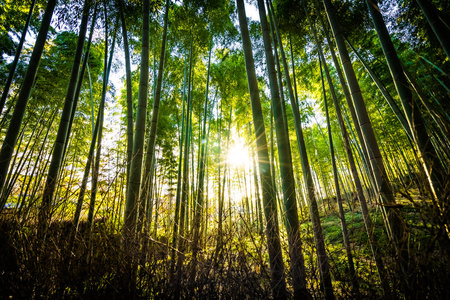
<point x="345" y="234"/>
<point x="130" y="124"/>
<point x="16" y="58"/>
<point x="61" y="137"/>
<point x="393" y="220"/>
<point x="288" y="182"/>
<point x="154" y="122"/>
<point x="134" y="181"/>
<point x="273" y="240"/>
<point x="12" y="133"/>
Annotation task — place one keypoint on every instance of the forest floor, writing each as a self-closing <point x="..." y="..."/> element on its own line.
<point x="95" y="266"/>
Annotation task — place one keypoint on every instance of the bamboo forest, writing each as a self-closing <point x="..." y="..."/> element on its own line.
<point x="225" y="149"/>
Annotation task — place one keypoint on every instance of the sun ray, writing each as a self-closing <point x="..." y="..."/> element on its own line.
<point x="238" y="156"/>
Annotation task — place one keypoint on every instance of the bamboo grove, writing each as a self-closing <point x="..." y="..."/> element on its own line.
<point x="275" y="149"/>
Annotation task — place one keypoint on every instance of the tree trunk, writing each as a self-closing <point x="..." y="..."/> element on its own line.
<point x="176" y="221"/>
<point x="364" y="154"/>
<point x="16" y="58"/>
<point x="154" y="122"/>
<point x="201" y="178"/>
<point x="428" y="156"/>
<point x="219" y="185"/>
<point x="273" y="240"/>
<point x="80" y="82"/>
<point x="134" y="181"/>
<point x="96" y="167"/>
<point x="362" y="199"/>
<point x="58" y="148"/>
<point x="36" y="165"/>
<point x="345" y="236"/>
<point x="440" y="29"/>
<point x="288" y="181"/>
<point x="87" y="169"/>
<point x="393" y="219"/>
<point x="129" y="88"/>
<point x="386" y="95"/>
<point x="16" y="120"/>
<point x="258" y="216"/>
<point x="185" y="184"/>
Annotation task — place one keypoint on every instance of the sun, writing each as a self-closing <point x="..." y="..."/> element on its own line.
<point x="238" y="155"/>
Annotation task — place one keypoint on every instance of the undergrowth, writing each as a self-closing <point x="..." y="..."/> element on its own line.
<point x="93" y="265"/>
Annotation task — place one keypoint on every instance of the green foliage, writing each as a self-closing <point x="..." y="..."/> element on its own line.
<point x="230" y="80"/>
<point x="241" y="269"/>
<point x="12" y="20"/>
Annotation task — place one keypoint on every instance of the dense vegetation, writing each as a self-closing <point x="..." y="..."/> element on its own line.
<point x="219" y="149"/>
